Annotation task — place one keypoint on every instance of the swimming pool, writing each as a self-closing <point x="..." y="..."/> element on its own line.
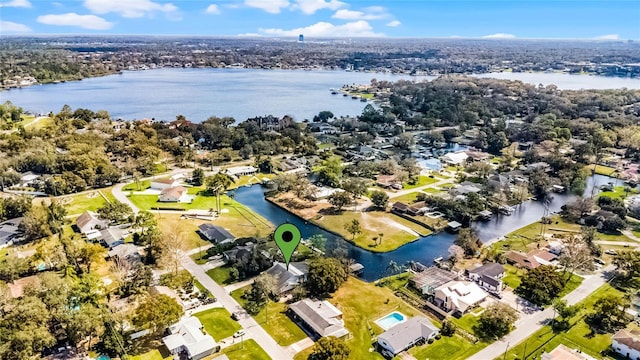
<point x="391" y="320"/>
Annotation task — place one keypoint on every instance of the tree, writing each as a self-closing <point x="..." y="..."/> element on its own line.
<point x="355" y="187"/>
<point x="411" y="166"/>
<point x="84" y="322"/>
<point x="380" y="199"/>
<point x="329" y="348"/>
<point x="257" y="298"/>
<point x="614" y="223"/>
<point x="318" y="241"/>
<point x="326" y="275"/>
<point x="197" y="177"/>
<point x="541" y="285"/>
<point x="495" y="321"/>
<point x="218" y="183"/>
<point x="116" y="212"/>
<point x="609" y="313"/>
<point x="24" y="329"/>
<point x="172" y="244"/>
<point x="469" y="241"/>
<point x="267" y="283"/>
<point x="35" y="223"/>
<point x="448" y="328"/>
<point x="627" y="263"/>
<point x="456" y="253"/>
<point x="590" y="237"/>
<point x="354" y="228"/>
<point x="157" y="312"/>
<point x="576" y="255"/>
<point x="565" y="312"/>
<point x="404" y="141"/>
<point x="339" y="199"/>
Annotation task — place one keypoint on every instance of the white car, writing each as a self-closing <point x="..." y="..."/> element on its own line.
<point x="239" y="333"/>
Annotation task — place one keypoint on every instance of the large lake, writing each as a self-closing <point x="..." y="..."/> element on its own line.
<point x="241" y="93"/>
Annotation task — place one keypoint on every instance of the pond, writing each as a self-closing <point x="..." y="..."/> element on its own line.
<point x="426" y="248"/>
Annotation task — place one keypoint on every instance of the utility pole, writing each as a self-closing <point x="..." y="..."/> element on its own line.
<point x="505" y="352"/>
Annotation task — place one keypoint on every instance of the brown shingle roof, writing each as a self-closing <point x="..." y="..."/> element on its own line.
<point x="629" y="338"/>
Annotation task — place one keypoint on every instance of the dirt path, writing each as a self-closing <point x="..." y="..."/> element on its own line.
<point x="366" y="219"/>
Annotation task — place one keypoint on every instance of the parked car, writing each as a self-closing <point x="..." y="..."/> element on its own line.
<point x="611" y="252"/>
<point x="235" y="316"/>
<point x="239" y="333"/>
<point x="599" y="261"/>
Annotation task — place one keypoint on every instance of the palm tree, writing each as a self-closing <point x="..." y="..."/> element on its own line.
<point x="218" y="183"/>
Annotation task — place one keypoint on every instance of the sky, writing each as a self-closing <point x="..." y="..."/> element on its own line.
<point x="496" y="19"/>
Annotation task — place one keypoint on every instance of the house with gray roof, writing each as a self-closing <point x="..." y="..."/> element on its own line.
<point x="9" y="231"/>
<point x="215" y="234"/>
<point x="488" y="276"/>
<point x="188" y="337"/>
<point x="319" y="317"/>
<point x="405" y="335"/>
<point x="111" y="237"/>
<point x="286" y="280"/>
<point x="89" y="221"/>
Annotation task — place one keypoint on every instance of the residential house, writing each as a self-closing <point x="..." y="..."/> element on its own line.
<point x="406" y="334"/>
<point x="272" y="123"/>
<point x="238" y="252"/>
<point x="530" y="260"/>
<point x="459" y="296"/>
<point x="287" y="279"/>
<point x="488" y="276"/>
<point x="498" y="182"/>
<point x="215" y="234"/>
<point x="414" y="209"/>
<point x="176" y="194"/>
<point x="111" y="237"/>
<point x="238" y="171"/>
<point x="455" y="158"/>
<point x="454" y="226"/>
<point x="388" y="181"/>
<point x="162" y="183"/>
<point x="431" y="278"/>
<point x="478" y="155"/>
<point x="627" y="343"/>
<point x="465" y="188"/>
<point x="28" y="179"/>
<point x="537" y="166"/>
<point x="321" y="317"/>
<point x="126" y="252"/>
<point x="89" y="221"/>
<point x="189" y="339"/>
<point x="562" y="352"/>
<point x="9" y="231"/>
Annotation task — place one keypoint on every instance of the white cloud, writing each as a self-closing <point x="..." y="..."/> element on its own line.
<point x="270" y="6"/>
<point x="394" y="23"/>
<point x="370" y="13"/>
<point x="311" y="6"/>
<point x="608" y="37"/>
<point x="129" y="8"/>
<point x="12" y="27"/>
<point x="499" y="36"/>
<point x="91" y="22"/>
<point x="213" y="9"/>
<point x="16" y="3"/>
<point x="327" y="30"/>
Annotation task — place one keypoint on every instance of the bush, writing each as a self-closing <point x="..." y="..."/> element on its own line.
<point x="430" y="341"/>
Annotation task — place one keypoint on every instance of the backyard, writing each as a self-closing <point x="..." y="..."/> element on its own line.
<point x="247" y="350"/>
<point x="218" y="323"/>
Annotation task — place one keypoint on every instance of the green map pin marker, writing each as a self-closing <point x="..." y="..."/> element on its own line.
<point x="287" y="237"/>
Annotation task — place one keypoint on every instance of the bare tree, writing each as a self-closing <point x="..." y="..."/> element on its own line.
<point x="576" y="255"/>
<point x="172" y="246"/>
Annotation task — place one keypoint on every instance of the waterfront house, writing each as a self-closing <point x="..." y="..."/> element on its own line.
<point x="89" y="221"/>
<point x="627" y="343"/>
<point x="319" y="317"/>
<point x="459" y="296"/>
<point x="530" y="260"/>
<point x="176" y="194"/>
<point x="215" y="234"/>
<point x="454" y="226"/>
<point x="431" y="278"/>
<point x="488" y="276"/>
<point x="162" y="183"/>
<point x="405" y="335"/>
<point x="238" y="171"/>
<point x="455" y="158"/>
<point x="187" y="338"/>
<point x="287" y="279"/>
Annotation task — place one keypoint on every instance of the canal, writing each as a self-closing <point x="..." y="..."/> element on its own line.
<point x="424" y="249"/>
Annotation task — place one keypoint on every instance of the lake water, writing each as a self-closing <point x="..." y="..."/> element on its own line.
<point x="241" y="93"/>
<point x="423" y="250"/>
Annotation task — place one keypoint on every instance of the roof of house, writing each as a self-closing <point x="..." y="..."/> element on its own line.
<point x="466" y="189"/>
<point x="9" y="229"/>
<point x="321" y="316"/>
<point x="288" y="279"/>
<point x="455" y="158"/>
<point x="478" y="155"/>
<point x="187" y="333"/>
<point x="404" y="334"/>
<point x="432" y="277"/>
<point x="215" y="233"/>
<point x="174" y="191"/>
<point x="239" y="170"/>
<point x="111" y="236"/>
<point x="562" y="352"/>
<point x="168" y="181"/>
<point x="87" y="218"/>
<point x="400" y="206"/>
<point x="454" y="224"/>
<point x="490" y="280"/>
<point x="630" y="338"/>
<point x="462" y="294"/>
<point x="521" y="259"/>
<point x="488" y="269"/>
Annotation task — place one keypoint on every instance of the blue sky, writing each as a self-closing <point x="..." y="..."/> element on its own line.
<point x="608" y="19"/>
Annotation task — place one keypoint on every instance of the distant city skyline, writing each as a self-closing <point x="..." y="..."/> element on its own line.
<point x="498" y="19"/>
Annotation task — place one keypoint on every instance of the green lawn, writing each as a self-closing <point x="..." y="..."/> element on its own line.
<point x="619" y="192"/>
<point x="578" y="336"/>
<point x="274" y="320"/>
<point x="218" y="323"/>
<point x="450" y="348"/>
<point x="406" y="198"/>
<point x="466" y="322"/>
<point x="142" y="185"/>
<point x="78" y="204"/>
<point x="571" y="285"/>
<point x="151" y="355"/>
<point x="221" y="275"/>
<point x="422" y="180"/>
<point x="602" y="170"/>
<point x="513" y="276"/>
<point x="396" y="281"/>
<point x="372" y="223"/>
<point x="247" y="180"/>
<point x="247" y="350"/>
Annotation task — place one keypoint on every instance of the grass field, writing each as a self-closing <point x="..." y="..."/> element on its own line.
<point x="274" y="320"/>
<point x="406" y="198"/>
<point x="422" y="180"/>
<point x="450" y="348"/>
<point x="619" y="192"/>
<point x="141" y="185"/>
<point x="79" y="203"/>
<point x="151" y="355"/>
<point x="372" y="224"/>
<point x="572" y="284"/>
<point x="513" y="276"/>
<point x="466" y="322"/>
<point x="602" y="170"/>
<point x="218" y="323"/>
<point x="221" y="275"/>
<point x="248" y="350"/>
<point x="578" y="336"/>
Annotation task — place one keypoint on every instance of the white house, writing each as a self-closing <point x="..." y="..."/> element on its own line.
<point x="406" y="334"/>
<point x="488" y="276"/>
<point x="89" y="222"/>
<point x="627" y="343"/>
<point x="174" y="194"/>
<point x="242" y="170"/>
<point x="459" y="296"/>
<point x="321" y="316"/>
<point x="163" y="183"/>
<point x="188" y="338"/>
<point x="455" y="158"/>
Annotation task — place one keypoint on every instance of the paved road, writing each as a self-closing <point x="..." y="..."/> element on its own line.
<point x="252" y="328"/>
<point x="527" y="325"/>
